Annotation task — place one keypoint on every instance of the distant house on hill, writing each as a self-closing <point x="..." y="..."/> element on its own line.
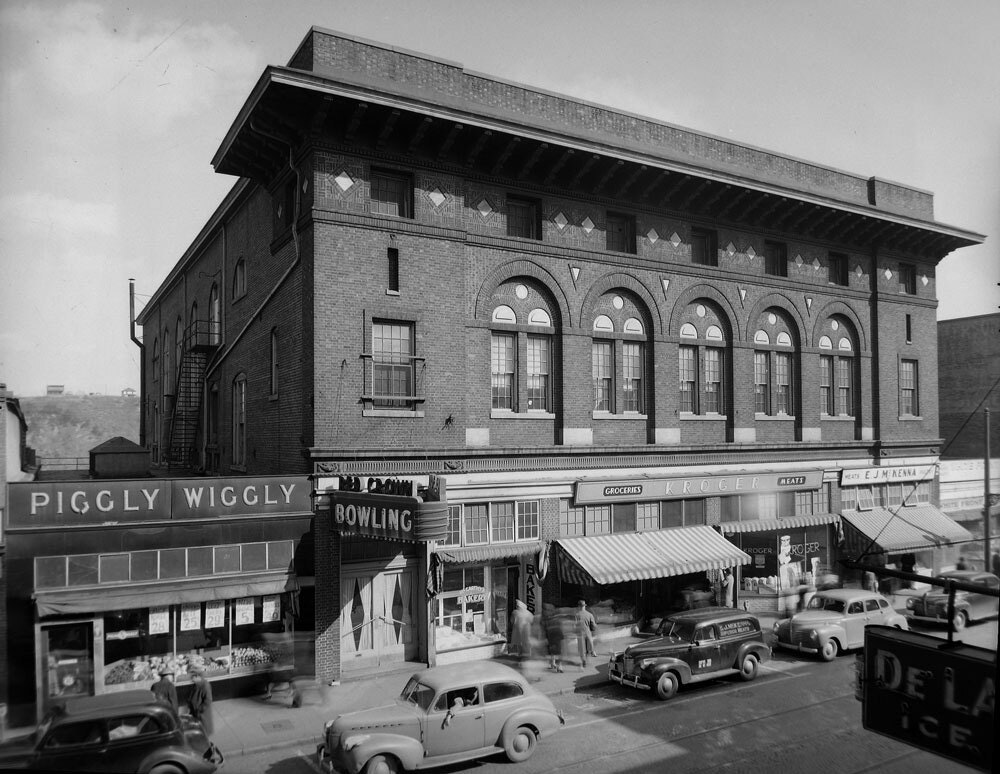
<point x="55" y="389"/>
<point x="118" y="457"/>
<point x="129" y="392"/>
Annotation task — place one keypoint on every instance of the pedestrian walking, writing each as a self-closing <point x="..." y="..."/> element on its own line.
<point x="553" y="636"/>
<point x="586" y="626"/>
<point x="521" y="624"/>
<point x="728" y="587"/>
<point x="871" y="581"/>
<point x="165" y="690"/>
<point x="200" y="700"/>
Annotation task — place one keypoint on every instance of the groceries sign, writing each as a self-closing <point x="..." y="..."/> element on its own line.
<point x="77" y="503"/>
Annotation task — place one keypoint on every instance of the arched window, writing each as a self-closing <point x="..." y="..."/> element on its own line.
<point x="178" y="344"/>
<point x="775" y="365"/>
<point x="239" y="279"/>
<point x="168" y="368"/>
<point x="240" y="421"/>
<point x="193" y="319"/>
<point x="702" y="361"/>
<point x="156" y="360"/>
<point x="837" y="369"/>
<point x="618" y="356"/>
<point x="521" y="350"/>
<point x="214" y="316"/>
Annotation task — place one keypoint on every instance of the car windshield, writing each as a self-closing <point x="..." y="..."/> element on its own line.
<point x="415" y="692"/>
<point x="683" y="630"/>
<point x="820" y="602"/>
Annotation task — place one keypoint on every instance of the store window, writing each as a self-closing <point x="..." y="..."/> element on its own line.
<point x="472" y="606"/>
<point x="754" y="507"/>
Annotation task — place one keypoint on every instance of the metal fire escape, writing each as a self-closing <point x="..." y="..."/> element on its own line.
<point x="201" y="339"/>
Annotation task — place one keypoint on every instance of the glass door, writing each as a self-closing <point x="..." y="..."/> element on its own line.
<point x="67" y="656"/>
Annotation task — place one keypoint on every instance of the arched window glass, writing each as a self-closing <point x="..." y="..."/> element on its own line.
<point x="178" y="344"/>
<point x="844" y="345"/>
<point x="714" y="333"/>
<point x="603" y="323"/>
<point x="838" y="371"/>
<point x="214" y="316"/>
<point x="783" y="340"/>
<point x="504" y="314"/>
<point x="521" y="359"/>
<point x="703" y="362"/>
<point x="633" y="325"/>
<point x="240" y="279"/>
<point x="274" y="361"/>
<point x="825" y="343"/>
<point x="775" y="366"/>
<point x="539" y="317"/>
<point x="688" y="331"/>
<point x="761" y="337"/>
<point x="240" y="421"/>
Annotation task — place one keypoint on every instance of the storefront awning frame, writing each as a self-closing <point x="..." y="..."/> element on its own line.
<point x="633" y="556"/>
<point x="790" y="522"/>
<point x="909" y="528"/>
<point x="487" y="553"/>
<point x="77" y="601"/>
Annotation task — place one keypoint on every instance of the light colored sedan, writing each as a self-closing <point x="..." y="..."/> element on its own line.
<point x="834" y="621"/>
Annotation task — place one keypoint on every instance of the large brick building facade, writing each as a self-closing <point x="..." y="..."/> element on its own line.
<point x="626" y="355"/>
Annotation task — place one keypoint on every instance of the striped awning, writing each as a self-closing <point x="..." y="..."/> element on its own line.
<point x="903" y="529"/>
<point x="632" y="556"/>
<point x="790" y="522"/>
<point x="486" y="553"/>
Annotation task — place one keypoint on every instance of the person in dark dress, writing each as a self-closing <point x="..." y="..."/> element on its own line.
<point x="164" y="688"/>
<point x="200" y="700"/>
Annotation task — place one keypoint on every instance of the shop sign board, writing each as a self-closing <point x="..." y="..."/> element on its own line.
<point x="886" y="475"/>
<point x="79" y="503"/>
<point x="379" y="512"/>
<point x="639" y="490"/>
<point x="931" y="694"/>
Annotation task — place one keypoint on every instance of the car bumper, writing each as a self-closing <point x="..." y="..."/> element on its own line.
<point x="326" y="763"/>
<point x="942" y="618"/>
<point x="798" y="647"/>
<point x="632" y="681"/>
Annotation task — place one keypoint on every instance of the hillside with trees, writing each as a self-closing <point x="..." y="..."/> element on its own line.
<point x="72" y="425"/>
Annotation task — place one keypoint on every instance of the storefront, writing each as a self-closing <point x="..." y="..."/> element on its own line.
<point x="385" y="527"/>
<point x="120" y="580"/>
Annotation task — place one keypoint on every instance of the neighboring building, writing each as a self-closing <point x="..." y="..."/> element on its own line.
<point x="612" y="356"/>
<point x="55" y="389"/>
<point x="968" y="383"/>
<point x="129" y="392"/>
<point x="963" y="490"/>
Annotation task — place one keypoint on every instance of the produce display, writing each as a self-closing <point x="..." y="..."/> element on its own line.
<point x="249" y="656"/>
<point x="148" y="668"/>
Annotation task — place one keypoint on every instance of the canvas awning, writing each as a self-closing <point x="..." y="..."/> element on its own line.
<point x="65" y="601"/>
<point x="902" y="529"/>
<point x="790" y="522"/>
<point x="487" y="553"/>
<point x="632" y="556"/>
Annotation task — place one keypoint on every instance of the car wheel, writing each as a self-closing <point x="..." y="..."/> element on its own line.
<point x="829" y="650"/>
<point x="959" y="621"/>
<point x="666" y="686"/>
<point x="166" y="768"/>
<point x="520" y="745"/>
<point x="748" y="669"/>
<point x="382" y="764"/>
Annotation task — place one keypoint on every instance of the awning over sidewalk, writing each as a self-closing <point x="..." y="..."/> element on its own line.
<point x="902" y="529"/>
<point x="790" y="522"/>
<point x="486" y="553"/>
<point x="632" y="556"/>
<point x="97" y="600"/>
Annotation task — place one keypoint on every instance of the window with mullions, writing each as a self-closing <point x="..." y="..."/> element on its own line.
<point x="909" y="403"/>
<point x="619" y="389"/>
<point x="621" y="233"/>
<point x="391" y="194"/>
<point x="682" y="513"/>
<point x="524" y="218"/>
<point x="775" y="259"/>
<point x="837" y="371"/>
<point x="775" y="366"/>
<point x="837" y="269"/>
<point x="598" y="520"/>
<point x="632" y="377"/>
<point x="704" y="249"/>
<point x="392" y="365"/>
<point x="503" y="367"/>
<point x="571" y="520"/>
<point x="602" y="360"/>
<point x="521" y="360"/>
<point x="489" y="523"/>
<point x="701" y="367"/>
<point x="813" y="502"/>
<point x="240" y="420"/>
<point x="908" y="279"/>
<point x="454" y="534"/>
<point x="539" y="359"/>
<point x="761" y="383"/>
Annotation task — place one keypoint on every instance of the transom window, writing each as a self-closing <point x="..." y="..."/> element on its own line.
<point x="629" y="517"/>
<point x="487" y="523"/>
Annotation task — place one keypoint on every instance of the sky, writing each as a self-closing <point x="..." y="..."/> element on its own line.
<point x="110" y="113"/>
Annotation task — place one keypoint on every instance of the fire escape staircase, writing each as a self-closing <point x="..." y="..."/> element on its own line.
<point x="185" y="419"/>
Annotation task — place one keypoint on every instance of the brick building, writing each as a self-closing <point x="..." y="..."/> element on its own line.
<point x="612" y="356"/>
<point x="968" y="382"/>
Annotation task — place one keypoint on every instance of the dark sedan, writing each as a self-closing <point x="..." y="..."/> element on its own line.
<point x="970" y="606"/>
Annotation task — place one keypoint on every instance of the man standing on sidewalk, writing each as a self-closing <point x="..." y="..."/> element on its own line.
<point x="586" y="625"/>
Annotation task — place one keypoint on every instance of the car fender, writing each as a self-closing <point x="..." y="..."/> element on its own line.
<point x="410" y="751"/>
<point x="682" y="668"/>
<point x="828" y="632"/>
<point x="542" y="721"/>
<point x="759" y="649"/>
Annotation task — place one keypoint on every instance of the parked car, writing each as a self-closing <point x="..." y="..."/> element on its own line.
<point x="692" y="646"/>
<point x="970" y="606"/>
<point x="444" y="715"/>
<point x="130" y="731"/>
<point x="834" y="621"/>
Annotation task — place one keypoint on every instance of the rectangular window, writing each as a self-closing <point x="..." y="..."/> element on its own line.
<point x="502" y="523"/>
<point x="712" y="381"/>
<point x="822" y="499"/>
<point x="783" y="383"/>
<point x="687" y="366"/>
<point x="274" y="362"/>
<point x="909" y="329"/>
<point x="392" y="365"/>
<point x="571" y="520"/>
<point x="703" y="247"/>
<point x="527" y="520"/>
<point x="632" y="372"/>
<point x="391" y="194"/>
<point x="866" y="498"/>
<point x="694" y="512"/>
<point x="454" y="536"/>
<point x="602" y="357"/>
<point x="502" y="366"/>
<point x="908" y="279"/>
<point x="538" y="373"/>
<point x="775" y="259"/>
<point x="837" y="268"/>
<point x="392" y="268"/>
<point x="826" y="404"/>
<point x="647" y="516"/>
<point x="762" y="383"/>
<point x="671" y="514"/>
<point x="621" y="233"/>
<point x="845" y="387"/>
<point x="908" y="394"/>
<point x="476" y="523"/>
<point x="523" y="218"/>
<point x="803" y="503"/>
<point x="240" y="421"/>
<point x="623" y="517"/>
<point x="894" y="495"/>
<point x="598" y="519"/>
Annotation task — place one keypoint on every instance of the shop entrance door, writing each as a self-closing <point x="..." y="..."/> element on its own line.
<point x="378" y="616"/>
<point x="67" y="660"/>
